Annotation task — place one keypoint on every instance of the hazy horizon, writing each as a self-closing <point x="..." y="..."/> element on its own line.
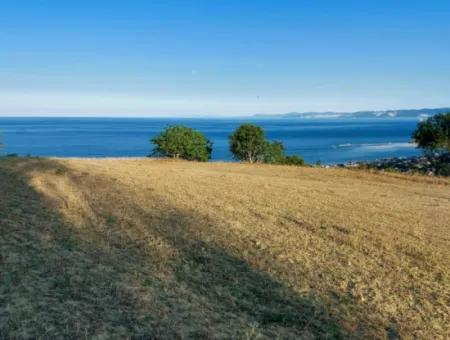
<point x="260" y="115"/>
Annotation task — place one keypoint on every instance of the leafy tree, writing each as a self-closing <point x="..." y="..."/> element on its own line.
<point x="434" y="133"/>
<point x="179" y="141"/>
<point x="248" y="143"/>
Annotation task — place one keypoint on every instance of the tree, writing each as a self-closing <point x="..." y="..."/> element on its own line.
<point x="434" y="133"/>
<point x="248" y="143"/>
<point x="274" y="153"/>
<point x="179" y="141"/>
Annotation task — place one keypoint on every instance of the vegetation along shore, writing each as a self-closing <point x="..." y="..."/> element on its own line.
<point x="433" y="136"/>
<point x="430" y="164"/>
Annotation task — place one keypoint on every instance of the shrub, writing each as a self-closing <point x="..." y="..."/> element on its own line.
<point x="179" y="141"/>
<point x="294" y="160"/>
<point x="434" y="133"/>
<point x="442" y="164"/>
<point x="274" y="153"/>
<point x="248" y="143"/>
<point x="443" y="169"/>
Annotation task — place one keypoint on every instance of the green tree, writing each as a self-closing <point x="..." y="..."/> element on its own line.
<point x="179" y="141"/>
<point x="274" y="153"/>
<point x="434" y="133"/>
<point x="248" y="143"/>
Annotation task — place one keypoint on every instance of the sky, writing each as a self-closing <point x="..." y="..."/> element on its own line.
<point x="221" y="57"/>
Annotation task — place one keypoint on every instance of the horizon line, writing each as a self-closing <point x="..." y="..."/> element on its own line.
<point x="231" y="116"/>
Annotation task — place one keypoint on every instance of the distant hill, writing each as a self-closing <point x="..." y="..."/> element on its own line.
<point x="416" y="113"/>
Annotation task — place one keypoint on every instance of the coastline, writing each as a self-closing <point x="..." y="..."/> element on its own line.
<point x="430" y="164"/>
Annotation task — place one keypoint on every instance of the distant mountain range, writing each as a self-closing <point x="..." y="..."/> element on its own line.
<point x="418" y="113"/>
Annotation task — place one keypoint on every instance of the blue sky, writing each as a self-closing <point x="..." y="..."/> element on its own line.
<point x="181" y="58"/>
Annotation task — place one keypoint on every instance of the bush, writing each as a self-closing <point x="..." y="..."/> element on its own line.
<point x="274" y="153"/>
<point x="441" y="163"/>
<point x="182" y="142"/>
<point x="248" y="143"/>
<point x="294" y="160"/>
<point x="434" y="133"/>
<point x="443" y="169"/>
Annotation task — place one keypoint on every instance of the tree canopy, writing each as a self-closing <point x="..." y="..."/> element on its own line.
<point x="179" y="141"/>
<point x="248" y="144"/>
<point x="434" y="133"/>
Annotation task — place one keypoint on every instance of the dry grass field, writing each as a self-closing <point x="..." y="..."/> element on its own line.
<point x="148" y="249"/>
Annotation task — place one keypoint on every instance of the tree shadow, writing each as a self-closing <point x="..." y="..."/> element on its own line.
<point x="133" y="273"/>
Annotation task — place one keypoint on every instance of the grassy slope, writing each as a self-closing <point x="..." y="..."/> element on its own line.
<point x="166" y="249"/>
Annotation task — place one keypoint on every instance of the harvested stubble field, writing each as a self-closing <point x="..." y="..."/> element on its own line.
<point x="146" y="248"/>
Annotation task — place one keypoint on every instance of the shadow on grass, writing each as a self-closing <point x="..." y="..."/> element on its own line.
<point x="106" y="278"/>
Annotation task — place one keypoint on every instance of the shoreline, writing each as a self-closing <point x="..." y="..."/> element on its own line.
<point x="431" y="164"/>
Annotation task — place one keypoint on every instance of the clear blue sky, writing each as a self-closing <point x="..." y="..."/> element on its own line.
<point x="166" y="58"/>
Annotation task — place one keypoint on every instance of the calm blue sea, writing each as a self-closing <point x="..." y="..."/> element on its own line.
<point x="330" y="141"/>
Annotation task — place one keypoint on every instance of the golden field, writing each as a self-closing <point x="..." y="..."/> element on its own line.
<point x="141" y="248"/>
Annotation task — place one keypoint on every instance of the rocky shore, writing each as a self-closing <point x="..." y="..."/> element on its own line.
<point x="433" y="164"/>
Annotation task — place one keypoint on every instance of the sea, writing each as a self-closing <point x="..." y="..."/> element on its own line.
<point x="329" y="141"/>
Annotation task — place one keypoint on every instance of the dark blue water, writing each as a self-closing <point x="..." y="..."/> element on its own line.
<point x="330" y="141"/>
